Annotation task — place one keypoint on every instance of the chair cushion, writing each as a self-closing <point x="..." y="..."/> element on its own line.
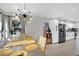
<point x="27" y="38"/>
<point x="5" y="52"/>
<point x="22" y="42"/>
<point x="42" y="43"/>
<point x="19" y="53"/>
<point x="31" y="47"/>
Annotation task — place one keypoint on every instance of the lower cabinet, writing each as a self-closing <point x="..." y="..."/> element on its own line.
<point x="48" y="37"/>
<point x="69" y="35"/>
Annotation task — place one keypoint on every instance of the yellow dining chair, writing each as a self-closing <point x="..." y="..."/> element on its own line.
<point x="42" y="44"/>
<point x="31" y="47"/>
<point x="19" y="53"/>
<point x="27" y="38"/>
<point x="5" y="52"/>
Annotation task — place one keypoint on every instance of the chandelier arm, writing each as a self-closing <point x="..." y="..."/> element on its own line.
<point x="20" y="11"/>
<point x="29" y="12"/>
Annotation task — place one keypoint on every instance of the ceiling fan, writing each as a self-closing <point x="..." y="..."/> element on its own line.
<point x="24" y="15"/>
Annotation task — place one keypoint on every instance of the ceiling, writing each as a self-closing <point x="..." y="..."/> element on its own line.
<point x="49" y="10"/>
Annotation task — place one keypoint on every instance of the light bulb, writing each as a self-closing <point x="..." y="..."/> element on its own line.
<point x="29" y="21"/>
<point x="17" y="17"/>
<point x="24" y="11"/>
<point x="30" y="10"/>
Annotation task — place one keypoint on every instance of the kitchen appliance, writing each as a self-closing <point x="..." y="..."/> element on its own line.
<point x="62" y="33"/>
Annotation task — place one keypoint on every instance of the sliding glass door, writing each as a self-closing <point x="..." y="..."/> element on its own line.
<point x="0" y="26"/>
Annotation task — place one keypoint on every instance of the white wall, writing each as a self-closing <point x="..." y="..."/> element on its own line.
<point x="35" y="28"/>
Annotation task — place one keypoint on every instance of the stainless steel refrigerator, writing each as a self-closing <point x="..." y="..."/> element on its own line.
<point x="62" y="33"/>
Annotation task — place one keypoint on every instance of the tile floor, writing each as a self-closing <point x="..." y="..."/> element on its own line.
<point x="63" y="49"/>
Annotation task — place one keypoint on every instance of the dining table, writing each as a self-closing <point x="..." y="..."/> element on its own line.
<point x="18" y="45"/>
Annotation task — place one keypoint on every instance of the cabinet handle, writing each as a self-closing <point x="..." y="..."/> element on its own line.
<point x="56" y="28"/>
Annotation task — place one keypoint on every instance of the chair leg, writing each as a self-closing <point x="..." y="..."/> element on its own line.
<point x="43" y="54"/>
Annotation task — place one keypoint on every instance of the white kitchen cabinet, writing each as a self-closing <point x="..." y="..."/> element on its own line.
<point x="69" y="35"/>
<point x="54" y="30"/>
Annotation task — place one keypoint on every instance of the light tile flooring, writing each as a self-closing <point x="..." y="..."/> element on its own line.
<point x="62" y="49"/>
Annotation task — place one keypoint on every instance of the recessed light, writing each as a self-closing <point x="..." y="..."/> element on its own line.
<point x="16" y="7"/>
<point x="73" y="9"/>
<point x="58" y="15"/>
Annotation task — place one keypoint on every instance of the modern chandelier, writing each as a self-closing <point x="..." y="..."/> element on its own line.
<point x="24" y="14"/>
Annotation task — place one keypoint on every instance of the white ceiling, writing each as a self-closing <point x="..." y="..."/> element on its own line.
<point x="50" y="10"/>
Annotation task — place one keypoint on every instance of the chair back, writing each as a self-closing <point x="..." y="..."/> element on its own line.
<point x="42" y="44"/>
